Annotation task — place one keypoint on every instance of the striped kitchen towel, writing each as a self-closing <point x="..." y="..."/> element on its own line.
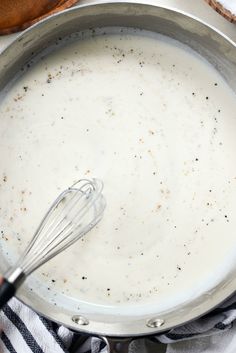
<point x="24" y="331"/>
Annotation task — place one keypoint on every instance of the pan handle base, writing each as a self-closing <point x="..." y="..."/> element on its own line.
<point x="117" y="345"/>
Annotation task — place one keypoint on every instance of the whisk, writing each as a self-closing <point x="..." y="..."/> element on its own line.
<point x="73" y="214"/>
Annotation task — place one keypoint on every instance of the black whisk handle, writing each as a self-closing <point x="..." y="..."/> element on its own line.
<point x="7" y="291"/>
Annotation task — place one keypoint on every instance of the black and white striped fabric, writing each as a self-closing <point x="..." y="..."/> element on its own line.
<point x="24" y="331"/>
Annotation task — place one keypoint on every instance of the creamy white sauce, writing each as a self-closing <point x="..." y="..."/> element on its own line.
<point x="157" y="124"/>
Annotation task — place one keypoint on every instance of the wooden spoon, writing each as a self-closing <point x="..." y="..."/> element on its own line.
<point x="17" y="15"/>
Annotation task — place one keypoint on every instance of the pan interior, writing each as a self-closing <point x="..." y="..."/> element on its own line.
<point x="156" y="123"/>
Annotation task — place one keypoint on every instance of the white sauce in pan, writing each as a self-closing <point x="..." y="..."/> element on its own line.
<point x="157" y="124"/>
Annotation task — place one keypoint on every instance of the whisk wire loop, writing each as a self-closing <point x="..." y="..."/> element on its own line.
<point x="76" y="211"/>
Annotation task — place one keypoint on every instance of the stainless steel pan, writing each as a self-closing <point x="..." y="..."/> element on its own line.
<point x="214" y="41"/>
